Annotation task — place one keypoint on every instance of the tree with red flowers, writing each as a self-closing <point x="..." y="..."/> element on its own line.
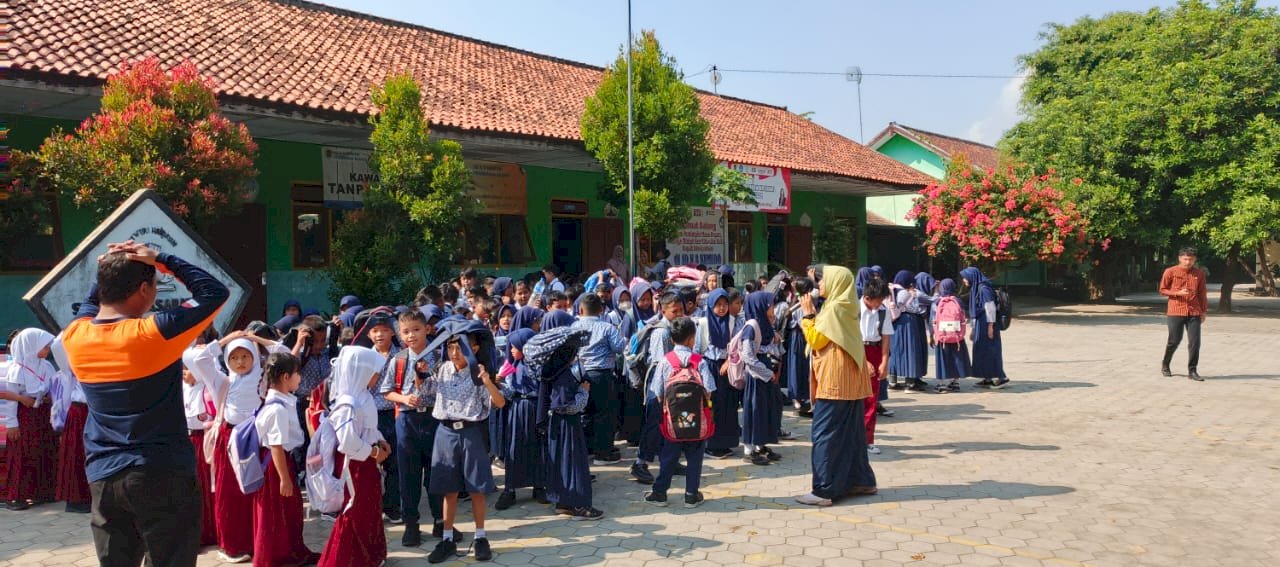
<point x="1001" y="218"/>
<point x="157" y="128"/>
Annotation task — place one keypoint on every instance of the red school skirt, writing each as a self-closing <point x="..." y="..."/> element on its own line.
<point x="73" y="485"/>
<point x="277" y="537"/>
<point x="204" y="472"/>
<point x="358" y="539"/>
<point x="33" y="456"/>
<point x="233" y="510"/>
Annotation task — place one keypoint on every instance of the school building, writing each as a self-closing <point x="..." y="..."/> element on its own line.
<point x="298" y="75"/>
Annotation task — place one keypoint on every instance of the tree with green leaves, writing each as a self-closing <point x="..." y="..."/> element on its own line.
<point x="407" y="230"/>
<point x="1168" y="119"/>
<point x="674" y="166"/>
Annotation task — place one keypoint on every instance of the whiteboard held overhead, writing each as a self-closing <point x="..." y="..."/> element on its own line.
<point x="146" y="218"/>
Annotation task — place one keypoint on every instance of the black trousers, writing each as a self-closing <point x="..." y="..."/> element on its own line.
<point x="139" y="512"/>
<point x="600" y="423"/>
<point x="1176" y="327"/>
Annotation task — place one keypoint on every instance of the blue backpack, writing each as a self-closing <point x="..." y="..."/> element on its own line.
<point x="244" y="449"/>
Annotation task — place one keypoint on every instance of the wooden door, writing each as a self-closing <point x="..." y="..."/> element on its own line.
<point x="601" y="236"/>
<point x="241" y="241"/>
<point x="799" y="247"/>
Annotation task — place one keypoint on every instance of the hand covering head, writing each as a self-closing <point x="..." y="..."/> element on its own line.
<point x="469" y="332"/>
<point x="903" y="278"/>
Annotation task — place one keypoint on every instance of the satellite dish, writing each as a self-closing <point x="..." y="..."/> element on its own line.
<point x="853" y="74"/>
<point x="716" y="77"/>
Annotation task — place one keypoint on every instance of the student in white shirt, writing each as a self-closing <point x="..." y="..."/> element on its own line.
<point x="877" y="333"/>
<point x="277" y="506"/>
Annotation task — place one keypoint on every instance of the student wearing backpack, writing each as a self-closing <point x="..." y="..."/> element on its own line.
<point x="277" y="506"/>
<point x="690" y="373"/>
<point x="877" y="331"/>
<point x="405" y="384"/>
<point x="950" y="352"/>
<point x="635" y="311"/>
<point x="199" y="409"/>
<point x="564" y="396"/>
<point x="988" y="358"/>
<point x="653" y="344"/>
<point x="598" y="359"/>
<point x="759" y="396"/>
<point x="841" y="383"/>
<point x="357" y="539"/>
<point x="378" y="332"/>
<point x="909" y="360"/>
<point x="237" y="397"/>
<point x="724" y="398"/>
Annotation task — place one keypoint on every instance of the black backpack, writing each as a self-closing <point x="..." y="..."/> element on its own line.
<point x="1004" y="308"/>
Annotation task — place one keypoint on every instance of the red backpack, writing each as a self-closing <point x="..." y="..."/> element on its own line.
<point x="948" y="322"/>
<point x="686" y="405"/>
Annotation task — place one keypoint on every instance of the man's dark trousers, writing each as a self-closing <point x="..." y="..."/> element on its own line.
<point x="1177" y="325"/>
<point x="140" y="511"/>
<point x="601" y="416"/>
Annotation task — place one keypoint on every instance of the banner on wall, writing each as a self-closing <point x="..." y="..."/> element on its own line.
<point x="346" y="176"/>
<point x="772" y="187"/>
<point x="701" y="241"/>
<point x="502" y="188"/>
<point x="145" y="218"/>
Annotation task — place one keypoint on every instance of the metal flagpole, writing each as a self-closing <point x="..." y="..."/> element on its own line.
<point x="631" y="174"/>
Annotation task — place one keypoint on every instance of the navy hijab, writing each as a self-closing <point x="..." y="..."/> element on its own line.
<point x="757" y="307"/>
<point x="925" y="282"/>
<point x="521" y="382"/>
<point x="498" y="332"/>
<point x="717" y="327"/>
<point x="525" y="317"/>
<point x="638" y="290"/>
<point x="291" y="303"/>
<point x="555" y="319"/>
<point x="500" y="287"/>
<point x="947" y="288"/>
<point x="980" y="291"/>
<point x="865" y="275"/>
<point x="903" y="278"/>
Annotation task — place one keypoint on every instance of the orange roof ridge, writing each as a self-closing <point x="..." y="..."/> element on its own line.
<point x="948" y="136"/>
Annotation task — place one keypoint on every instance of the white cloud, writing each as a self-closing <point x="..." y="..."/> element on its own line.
<point x="1004" y="115"/>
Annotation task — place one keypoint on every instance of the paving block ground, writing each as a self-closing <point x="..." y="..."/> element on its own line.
<point x="1090" y="457"/>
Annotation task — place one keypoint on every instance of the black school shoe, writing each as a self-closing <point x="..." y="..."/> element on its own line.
<point x="445" y="550"/>
<point x="719" y="453"/>
<point x="1164" y="371"/>
<point x="412" y="536"/>
<point x="79" y="508"/>
<point x="917" y="386"/>
<point x="1193" y="375"/>
<point x="482" y="550"/>
<point x="693" y="500"/>
<point x="757" y="458"/>
<point x="657" y="499"/>
<point x="585" y="513"/>
<point x="640" y="472"/>
<point x="505" y="500"/>
<point x="769" y="454"/>
<point x="540" y="496"/>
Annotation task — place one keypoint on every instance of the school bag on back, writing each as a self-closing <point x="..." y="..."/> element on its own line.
<point x="324" y="490"/>
<point x="948" y="323"/>
<point x="1004" y="309"/>
<point x="737" y="370"/>
<point x="636" y="362"/>
<point x="686" y="405"/>
<point x="246" y="462"/>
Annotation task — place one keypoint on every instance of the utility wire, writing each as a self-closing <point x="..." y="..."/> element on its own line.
<point x="864" y="73"/>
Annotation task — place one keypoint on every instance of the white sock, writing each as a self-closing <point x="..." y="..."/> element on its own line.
<point x="448" y="535"/>
<point x="479" y="533"/>
<point x="747" y="450"/>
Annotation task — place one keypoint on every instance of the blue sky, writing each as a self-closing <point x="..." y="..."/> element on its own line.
<point x="982" y="37"/>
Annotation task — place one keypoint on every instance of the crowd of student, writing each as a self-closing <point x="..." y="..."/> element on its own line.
<point x="542" y="378"/>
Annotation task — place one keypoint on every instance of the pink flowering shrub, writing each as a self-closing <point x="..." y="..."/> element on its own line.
<point x="999" y="217"/>
<point x="159" y="129"/>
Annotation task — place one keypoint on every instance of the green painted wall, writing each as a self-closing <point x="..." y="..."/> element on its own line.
<point x="919" y="158"/>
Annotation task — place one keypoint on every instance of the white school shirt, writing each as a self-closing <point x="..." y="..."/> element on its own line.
<point x="241" y="393"/>
<point x="356" y="426"/>
<point x="868" y="323"/>
<point x="193" y="405"/>
<point x="277" y="422"/>
<point x="8" y="409"/>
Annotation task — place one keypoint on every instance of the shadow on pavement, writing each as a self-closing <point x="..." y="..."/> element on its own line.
<point x="981" y="489"/>
<point x="908" y="414"/>
<point x="573" y="540"/>
<point x="1025" y="386"/>
<point x="1238" y="376"/>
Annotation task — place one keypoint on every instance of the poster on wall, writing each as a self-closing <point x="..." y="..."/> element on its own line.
<point x="772" y="187"/>
<point x="346" y="176"/>
<point x="702" y="239"/>
<point x="502" y="188"/>
<point x="145" y="218"/>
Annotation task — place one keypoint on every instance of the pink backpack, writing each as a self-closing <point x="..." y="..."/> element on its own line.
<point x="737" y="365"/>
<point x="949" y="323"/>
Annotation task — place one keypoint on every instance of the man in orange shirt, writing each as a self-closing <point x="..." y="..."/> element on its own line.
<point x="1186" y="287"/>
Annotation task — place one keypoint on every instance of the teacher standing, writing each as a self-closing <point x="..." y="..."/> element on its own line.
<point x="140" y="464"/>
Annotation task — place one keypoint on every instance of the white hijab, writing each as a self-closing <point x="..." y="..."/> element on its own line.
<point x="351" y="372"/>
<point x="26" y="369"/>
<point x="255" y="374"/>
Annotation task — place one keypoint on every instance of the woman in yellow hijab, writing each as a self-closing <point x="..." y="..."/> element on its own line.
<point x="840" y="384"/>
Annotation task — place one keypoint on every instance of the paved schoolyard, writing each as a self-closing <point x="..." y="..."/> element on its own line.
<point x="1088" y="458"/>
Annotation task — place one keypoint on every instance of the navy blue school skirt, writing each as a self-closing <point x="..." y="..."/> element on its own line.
<point x="724" y="409"/>
<point x="988" y="356"/>
<point x="909" y="349"/>
<point x="569" y="478"/>
<point x="796" y="371"/>
<point x="526" y="454"/>
<point x="759" y="399"/>
<point x="951" y="360"/>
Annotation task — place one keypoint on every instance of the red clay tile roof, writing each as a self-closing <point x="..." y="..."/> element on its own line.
<point x="979" y="155"/>
<point x="877" y="220"/>
<point x="307" y="55"/>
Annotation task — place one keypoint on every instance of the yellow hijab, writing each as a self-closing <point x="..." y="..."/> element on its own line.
<point x="840" y="316"/>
